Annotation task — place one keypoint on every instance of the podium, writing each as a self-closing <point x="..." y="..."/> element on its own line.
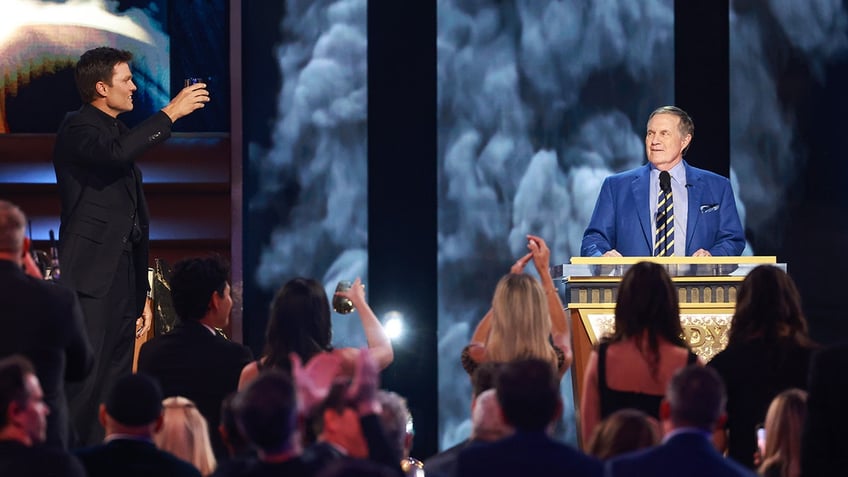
<point x="706" y="289"/>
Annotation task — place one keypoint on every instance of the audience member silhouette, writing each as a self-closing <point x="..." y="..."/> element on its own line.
<point x="299" y="323"/>
<point x="824" y="441"/>
<point x="692" y="408"/>
<point x="525" y="318"/>
<point x="185" y="434"/>
<point x="266" y="412"/>
<point x="528" y="394"/>
<point x="486" y="420"/>
<point x="42" y="321"/>
<point x="784" y="424"/>
<point x="23" y="426"/>
<point x="131" y="416"/>
<point x="194" y="360"/>
<point x="768" y="350"/>
<point x="632" y="368"/>
<point x="623" y="431"/>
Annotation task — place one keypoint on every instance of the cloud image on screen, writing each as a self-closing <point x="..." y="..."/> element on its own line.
<point x="40" y="41"/>
<point x="313" y="178"/>
<point x="537" y="103"/>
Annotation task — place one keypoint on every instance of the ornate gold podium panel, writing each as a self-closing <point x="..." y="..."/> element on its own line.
<point x="706" y="288"/>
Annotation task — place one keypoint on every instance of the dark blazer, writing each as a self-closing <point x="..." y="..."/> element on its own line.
<point x="43" y="321"/>
<point x="100" y="188"/>
<point x="825" y="440"/>
<point x="133" y="458"/>
<point x="525" y="453"/>
<point x="19" y="460"/>
<point x="622" y="219"/>
<point x="689" y="453"/>
<point x="192" y="362"/>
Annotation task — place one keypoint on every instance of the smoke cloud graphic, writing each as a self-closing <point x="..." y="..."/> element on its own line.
<point x="764" y="38"/>
<point x="537" y="103"/>
<point x="315" y="175"/>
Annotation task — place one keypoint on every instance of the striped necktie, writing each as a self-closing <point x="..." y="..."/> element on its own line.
<point x="664" y="243"/>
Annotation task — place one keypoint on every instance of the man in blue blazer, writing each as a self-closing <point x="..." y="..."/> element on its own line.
<point x="705" y="219"/>
<point x="692" y="408"/>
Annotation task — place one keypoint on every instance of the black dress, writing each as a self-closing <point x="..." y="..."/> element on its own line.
<point x="612" y="400"/>
<point x="754" y="373"/>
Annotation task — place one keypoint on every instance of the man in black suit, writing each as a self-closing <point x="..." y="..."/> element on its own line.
<point x="23" y="426"/>
<point x="41" y="321"/>
<point x="825" y="438"/>
<point x="131" y="415"/>
<point x="528" y="394"/>
<point x="104" y="232"/>
<point x="194" y="360"/>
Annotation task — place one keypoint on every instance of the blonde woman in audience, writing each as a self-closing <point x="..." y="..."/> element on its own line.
<point x="527" y="319"/>
<point x="185" y="434"/>
<point x="632" y="368"/>
<point x="623" y="431"/>
<point x="784" y="422"/>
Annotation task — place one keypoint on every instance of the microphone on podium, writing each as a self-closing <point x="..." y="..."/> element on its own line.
<point x="665" y="181"/>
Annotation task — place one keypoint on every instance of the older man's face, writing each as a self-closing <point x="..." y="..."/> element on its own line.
<point x="32" y="417"/>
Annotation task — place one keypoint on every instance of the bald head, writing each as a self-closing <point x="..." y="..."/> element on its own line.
<point x="12" y="230"/>
<point x="487" y="423"/>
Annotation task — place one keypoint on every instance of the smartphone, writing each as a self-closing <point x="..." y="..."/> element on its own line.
<point x="761" y="440"/>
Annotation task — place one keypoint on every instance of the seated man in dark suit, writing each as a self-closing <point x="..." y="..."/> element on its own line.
<point x="528" y="393"/>
<point x="131" y="415"/>
<point x="486" y="420"/>
<point x="194" y="360"/>
<point x="23" y="426"/>
<point x="42" y="321"/>
<point x="692" y="408"/>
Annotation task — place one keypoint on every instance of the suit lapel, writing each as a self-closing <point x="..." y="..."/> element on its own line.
<point x="694" y="190"/>
<point x="640" y="188"/>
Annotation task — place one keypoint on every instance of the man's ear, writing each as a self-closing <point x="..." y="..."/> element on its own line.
<point x="665" y="410"/>
<point x="157" y="425"/>
<point x="102" y="416"/>
<point x="721" y="421"/>
<point x="100" y="88"/>
<point x="558" y="411"/>
<point x="27" y="245"/>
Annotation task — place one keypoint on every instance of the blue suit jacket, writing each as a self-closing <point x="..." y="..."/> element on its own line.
<point x="622" y="218"/>
<point x="689" y="453"/>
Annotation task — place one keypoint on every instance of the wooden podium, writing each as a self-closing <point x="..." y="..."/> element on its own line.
<point x="706" y="287"/>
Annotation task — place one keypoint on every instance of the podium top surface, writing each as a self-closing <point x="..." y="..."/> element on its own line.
<point x="676" y="266"/>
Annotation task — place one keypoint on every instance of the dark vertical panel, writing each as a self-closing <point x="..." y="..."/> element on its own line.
<point x="236" y="167"/>
<point x="402" y="197"/>
<point x="701" y="79"/>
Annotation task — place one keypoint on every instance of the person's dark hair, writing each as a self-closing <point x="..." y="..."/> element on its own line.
<point x="484" y="376"/>
<point x="768" y="307"/>
<point x="687" y="126"/>
<point x="230" y="433"/>
<point x="13" y="372"/>
<point x="299" y="322"/>
<point x="266" y="411"/>
<point x="192" y="283"/>
<point x="96" y="65"/>
<point x="697" y="397"/>
<point x="623" y="431"/>
<point x="647" y="302"/>
<point x="528" y="393"/>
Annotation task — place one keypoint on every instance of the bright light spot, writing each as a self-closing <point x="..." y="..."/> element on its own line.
<point x="393" y="324"/>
